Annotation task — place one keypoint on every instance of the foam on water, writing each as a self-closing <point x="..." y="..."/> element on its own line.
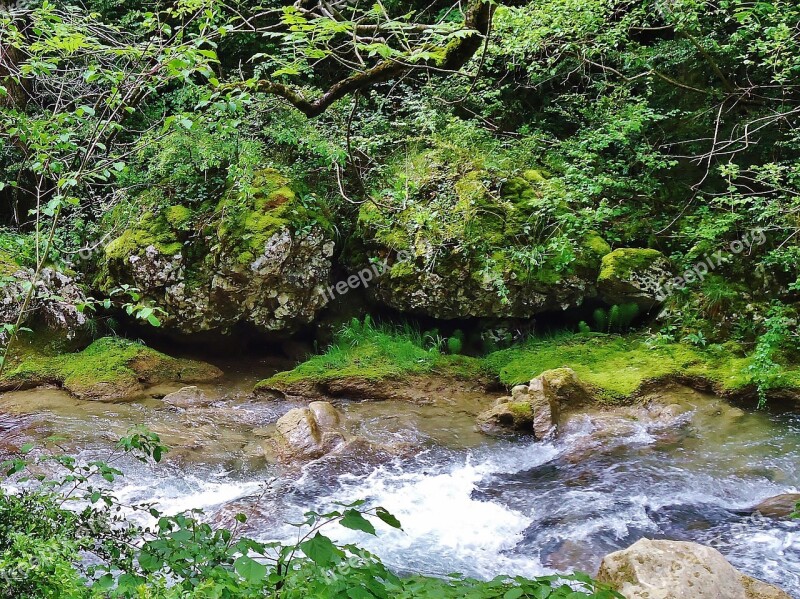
<point x="445" y="527"/>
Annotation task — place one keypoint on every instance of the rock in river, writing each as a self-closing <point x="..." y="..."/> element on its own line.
<point x="679" y="570"/>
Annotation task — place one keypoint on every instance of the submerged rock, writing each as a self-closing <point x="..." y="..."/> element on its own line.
<point x="633" y="275"/>
<point x="679" y="570"/>
<point x="780" y="506"/>
<point x="187" y="397"/>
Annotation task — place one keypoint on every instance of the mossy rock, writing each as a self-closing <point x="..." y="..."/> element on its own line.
<point x="633" y="275"/>
<point x="110" y="368"/>
<point x="260" y="253"/>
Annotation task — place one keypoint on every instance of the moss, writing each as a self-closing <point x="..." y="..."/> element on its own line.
<point x="619" y="264"/>
<point x="247" y="222"/>
<point x="151" y="230"/>
<point x="618" y="366"/>
<point x="178" y="217"/>
<point x="595" y="244"/>
<point x="521" y="410"/>
<point x="534" y="176"/>
<point x="111" y="366"/>
<point x="374" y="354"/>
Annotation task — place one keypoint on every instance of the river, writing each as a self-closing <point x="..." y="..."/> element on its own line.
<point x="468" y="503"/>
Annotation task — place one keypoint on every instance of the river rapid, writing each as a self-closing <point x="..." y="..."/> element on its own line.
<point x="468" y="503"/>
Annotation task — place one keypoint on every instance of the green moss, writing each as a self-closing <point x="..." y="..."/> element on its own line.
<point x="246" y="222"/>
<point x="151" y="230"/>
<point x="593" y="243"/>
<point x="618" y="366"/>
<point x="374" y="353"/>
<point x="178" y="216"/>
<point x="521" y="410"/>
<point x="620" y="263"/>
<point x="109" y="365"/>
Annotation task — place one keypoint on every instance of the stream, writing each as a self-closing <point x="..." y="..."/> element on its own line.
<point x="468" y="503"/>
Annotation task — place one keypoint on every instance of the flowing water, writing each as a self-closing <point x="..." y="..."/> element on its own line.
<point x="467" y="503"/>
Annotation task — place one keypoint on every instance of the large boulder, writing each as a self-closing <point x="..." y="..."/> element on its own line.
<point x="464" y="241"/>
<point x="537" y="407"/>
<point x="311" y="432"/>
<point x="679" y="570"/>
<point x="263" y="259"/>
<point x="633" y="275"/>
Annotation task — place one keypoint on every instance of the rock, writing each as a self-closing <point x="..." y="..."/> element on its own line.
<point x="679" y="570"/>
<point x="187" y="397"/>
<point x="470" y="261"/>
<point x="537" y="407"/>
<point x="506" y="417"/>
<point x="311" y="432"/>
<point x="54" y="302"/>
<point x="264" y="260"/>
<point x="109" y="369"/>
<point x="633" y="275"/>
<point x="780" y="506"/>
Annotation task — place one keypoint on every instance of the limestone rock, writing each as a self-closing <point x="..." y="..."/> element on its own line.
<point x="679" y="570"/>
<point x="54" y="302"/>
<point x="537" y="407"/>
<point x="780" y="506"/>
<point x="311" y="432"/>
<point x="506" y="417"/>
<point x="633" y="275"/>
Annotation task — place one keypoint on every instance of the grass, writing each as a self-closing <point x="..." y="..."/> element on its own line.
<point x="616" y="366"/>
<point x="375" y="352"/>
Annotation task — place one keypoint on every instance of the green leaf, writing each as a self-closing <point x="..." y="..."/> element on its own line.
<point x="388" y="518"/>
<point x="319" y="550"/>
<point x="355" y="521"/>
<point x="250" y="569"/>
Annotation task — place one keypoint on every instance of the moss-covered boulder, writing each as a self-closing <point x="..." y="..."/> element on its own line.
<point x="109" y="369"/>
<point x="633" y="275"/>
<point x="260" y="255"/>
<point x="460" y="240"/>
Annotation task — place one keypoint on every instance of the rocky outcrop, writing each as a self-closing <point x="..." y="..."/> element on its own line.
<point x="311" y="432"/>
<point x="465" y="242"/>
<point x="633" y="275"/>
<point x="54" y="302"/>
<point x="780" y="506"/>
<point x="109" y="369"/>
<point x="537" y="407"/>
<point x="263" y="260"/>
<point x="679" y="570"/>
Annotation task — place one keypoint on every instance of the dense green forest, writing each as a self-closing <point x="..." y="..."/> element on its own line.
<point x="482" y="190"/>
